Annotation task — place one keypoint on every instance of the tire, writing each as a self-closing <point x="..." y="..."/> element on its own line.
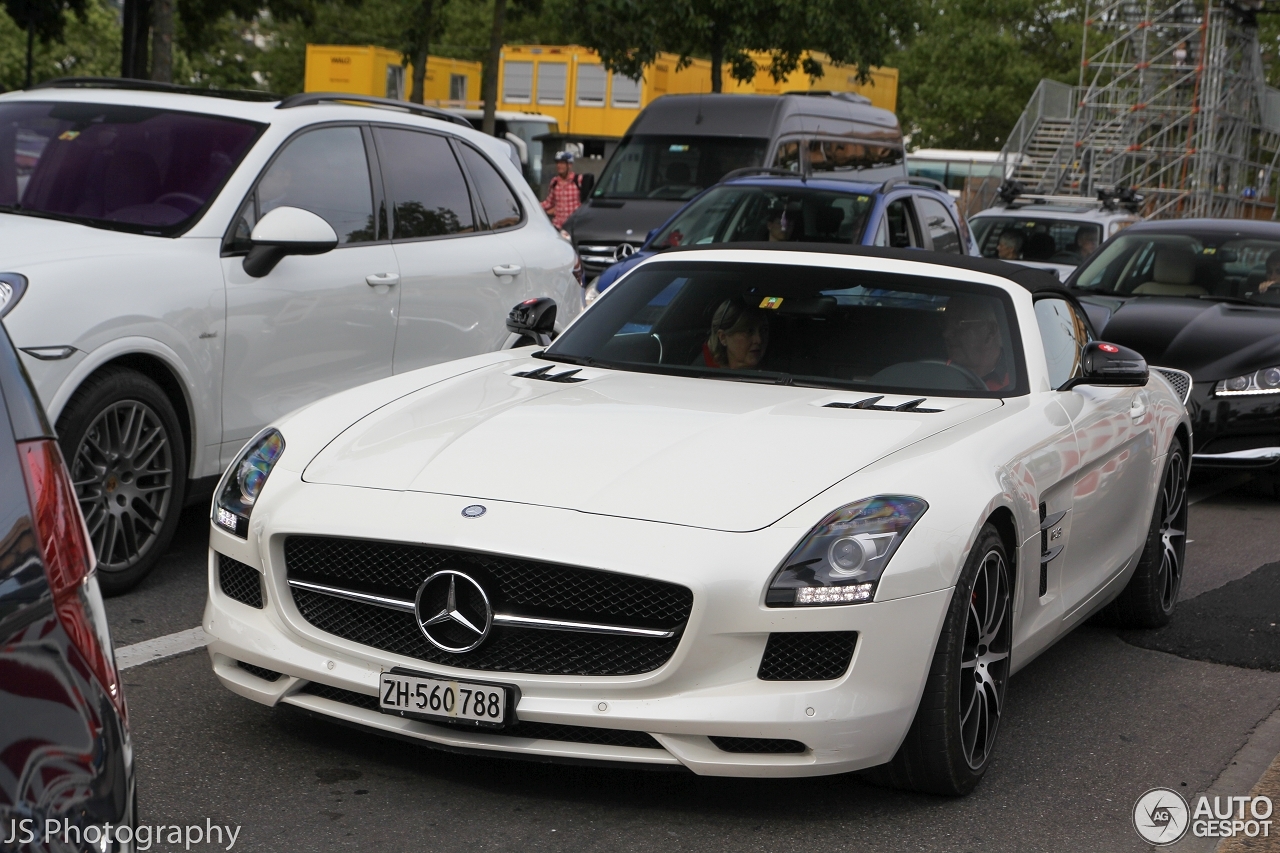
<point x="1149" y="598"/>
<point x="953" y="735"/>
<point x="124" y="447"/>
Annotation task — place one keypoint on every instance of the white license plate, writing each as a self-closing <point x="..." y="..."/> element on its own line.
<point x="434" y="698"/>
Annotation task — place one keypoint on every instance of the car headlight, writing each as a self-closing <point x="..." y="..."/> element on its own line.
<point x="592" y="294"/>
<point x="1264" y="381"/>
<point x="12" y="286"/>
<point x="842" y="559"/>
<point x="243" y="482"/>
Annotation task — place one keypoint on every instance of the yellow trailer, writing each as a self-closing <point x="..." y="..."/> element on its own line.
<point x="371" y="70"/>
<point x="570" y="83"/>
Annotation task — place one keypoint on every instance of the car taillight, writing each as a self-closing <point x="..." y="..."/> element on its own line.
<point x="69" y="562"/>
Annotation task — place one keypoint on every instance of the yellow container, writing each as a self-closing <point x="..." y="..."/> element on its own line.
<point x="370" y="70"/>
<point x="570" y="83"/>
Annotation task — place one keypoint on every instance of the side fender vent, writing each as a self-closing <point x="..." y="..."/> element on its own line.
<point x="874" y="403"/>
<point x="1049" y="533"/>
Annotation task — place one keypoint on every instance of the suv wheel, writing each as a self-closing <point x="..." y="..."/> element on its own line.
<point x="122" y="442"/>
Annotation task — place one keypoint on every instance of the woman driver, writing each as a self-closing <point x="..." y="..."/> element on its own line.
<point x="739" y="335"/>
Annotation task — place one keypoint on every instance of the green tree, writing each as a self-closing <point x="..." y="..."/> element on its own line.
<point x="973" y="64"/>
<point x="45" y="20"/>
<point x="88" y="47"/>
<point x="628" y="35"/>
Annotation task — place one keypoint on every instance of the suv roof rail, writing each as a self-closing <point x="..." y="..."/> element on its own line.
<point x="129" y="84"/>
<point x="1013" y="194"/>
<point x="913" y="181"/>
<point x="762" y="170"/>
<point x="827" y="93"/>
<point x="308" y="99"/>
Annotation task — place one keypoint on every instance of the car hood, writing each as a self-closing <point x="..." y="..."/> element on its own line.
<point x="608" y="221"/>
<point x="27" y="240"/>
<point x="699" y="452"/>
<point x="1210" y="340"/>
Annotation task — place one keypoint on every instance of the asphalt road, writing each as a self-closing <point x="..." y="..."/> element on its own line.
<point x="1090" y="726"/>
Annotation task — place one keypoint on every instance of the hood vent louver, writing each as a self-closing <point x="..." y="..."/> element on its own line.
<point x="871" y="403"/>
<point x="545" y="375"/>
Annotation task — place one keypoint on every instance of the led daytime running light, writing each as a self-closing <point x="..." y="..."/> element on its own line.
<point x="243" y="483"/>
<point x="1264" y="381"/>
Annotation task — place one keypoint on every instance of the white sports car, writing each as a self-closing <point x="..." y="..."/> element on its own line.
<point x="830" y="501"/>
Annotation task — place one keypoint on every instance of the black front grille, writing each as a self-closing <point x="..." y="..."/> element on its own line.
<point x="506" y="649"/>
<point x="536" y="731"/>
<point x="758" y="745"/>
<point x="238" y="581"/>
<point x="261" y="672"/>
<point x="514" y="586"/>
<point x="810" y="656"/>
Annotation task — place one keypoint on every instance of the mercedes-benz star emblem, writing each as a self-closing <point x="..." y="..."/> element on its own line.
<point x="473" y="511"/>
<point x="624" y="251"/>
<point x="453" y="612"/>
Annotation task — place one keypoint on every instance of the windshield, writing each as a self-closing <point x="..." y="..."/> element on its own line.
<point x="1025" y="238"/>
<point x="1226" y="266"/>
<point x="529" y="133"/>
<point x="675" y="168"/>
<point x="735" y="214"/>
<point x="125" y="167"/>
<point x="803" y="325"/>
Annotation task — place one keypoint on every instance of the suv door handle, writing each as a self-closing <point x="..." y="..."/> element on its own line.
<point x="1137" y="408"/>
<point x="382" y="279"/>
<point x="507" y="269"/>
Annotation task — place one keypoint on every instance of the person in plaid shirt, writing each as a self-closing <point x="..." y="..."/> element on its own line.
<point x="563" y="196"/>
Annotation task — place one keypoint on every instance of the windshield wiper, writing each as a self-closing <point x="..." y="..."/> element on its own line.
<point x="580" y="360"/>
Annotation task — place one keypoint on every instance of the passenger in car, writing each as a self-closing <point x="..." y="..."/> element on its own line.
<point x="738" y="337"/>
<point x="971" y="333"/>
<point x="780" y="225"/>
<point x="1273" y="272"/>
<point x="1009" y="248"/>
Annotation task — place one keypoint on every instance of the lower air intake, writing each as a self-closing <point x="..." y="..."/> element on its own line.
<point x="758" y="745"/>
<point x="259" y="671"/>
<point x="238" y="581"/>
<point x="808" y="656"/>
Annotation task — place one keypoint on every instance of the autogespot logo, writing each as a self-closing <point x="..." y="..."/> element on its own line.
<point x="1160" y="816"/>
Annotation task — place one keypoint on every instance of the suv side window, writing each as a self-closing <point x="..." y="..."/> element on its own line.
<point x="1063" y="333"/>
<point x="325" y="171"/>
<point x="941" y="227"/>
<point x="501" y="210"/>
<point x="424" y="182"/>
<point x="898" y="228"/>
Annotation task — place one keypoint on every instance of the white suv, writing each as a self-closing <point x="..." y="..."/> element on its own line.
<point x="181" y="270"/>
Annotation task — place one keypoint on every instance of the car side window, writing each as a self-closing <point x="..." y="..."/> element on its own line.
<point x="941" y="227"/>
<point x="501" y="210"/>
<point x="325" y="171"/>
<point x="901" y="225"/>
<point x="1063" y="332"/>
<point x="428" y="194"/>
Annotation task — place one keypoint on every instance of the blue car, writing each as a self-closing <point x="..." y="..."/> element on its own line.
<point x="759" y="205"/>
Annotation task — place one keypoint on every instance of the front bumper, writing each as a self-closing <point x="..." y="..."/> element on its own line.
<point x="1234" y="432"/>
<point x="709" y="687"/>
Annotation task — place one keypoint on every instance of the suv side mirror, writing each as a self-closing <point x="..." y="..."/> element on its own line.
<point x="534" y="318"/>
<point x="287" y="231"/>
<point x="1108" y="364"/>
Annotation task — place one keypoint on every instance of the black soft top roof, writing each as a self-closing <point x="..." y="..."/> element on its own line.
<point x="1030" y="278"/>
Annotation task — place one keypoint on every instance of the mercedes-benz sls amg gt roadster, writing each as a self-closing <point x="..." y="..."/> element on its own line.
<point x="755" y="513"/>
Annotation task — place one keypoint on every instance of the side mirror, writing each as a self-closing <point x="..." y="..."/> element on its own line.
<point x="534" y="318"/>
<point x="287" y="231"/>
<point x="1108" y="364"/>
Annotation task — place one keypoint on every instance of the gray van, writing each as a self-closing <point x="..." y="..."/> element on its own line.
<point x="681" y="144"/>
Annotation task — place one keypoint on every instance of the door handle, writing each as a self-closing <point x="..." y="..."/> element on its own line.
<point x="1137" y="408"/>
<point x="507" y="269"/>
<point x="382" y="279"/>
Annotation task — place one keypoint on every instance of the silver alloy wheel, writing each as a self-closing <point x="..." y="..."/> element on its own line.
<point x="123" y="477"/>
<point x="1173" y="530"/>
<point x="984" y="661"/>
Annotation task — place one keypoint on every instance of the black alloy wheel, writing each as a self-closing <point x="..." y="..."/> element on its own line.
<point x="1151" y="595"/>
<point x="127" y="458"/>
<point x="950" y="743"/>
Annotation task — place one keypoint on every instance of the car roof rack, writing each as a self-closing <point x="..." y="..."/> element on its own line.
<point x="763" y="170"/>
<point x="1013" y="194"/>
<point x="309" y="99"/>
<point x="131" y="85"/>
<point x="913" y="181"/>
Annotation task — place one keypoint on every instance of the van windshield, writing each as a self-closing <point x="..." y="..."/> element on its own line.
<point x="129" y="168"/>
<point x="675" y="168"/>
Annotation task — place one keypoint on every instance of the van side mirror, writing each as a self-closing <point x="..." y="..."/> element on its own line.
<point x="534" y="319"/>
<point x="287" y="231"/>
<point x="1102" y="363"/>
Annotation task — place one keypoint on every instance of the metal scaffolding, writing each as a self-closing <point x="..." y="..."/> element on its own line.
<point x="1172" y="101"/>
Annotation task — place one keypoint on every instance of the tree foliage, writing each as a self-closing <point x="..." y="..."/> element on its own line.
<point x="973" y="64"/>
<point x="89" y="47"/>
<point x="629" y="34"/>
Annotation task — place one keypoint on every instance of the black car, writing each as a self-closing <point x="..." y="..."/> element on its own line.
<point x="66" y="760"/>
<point x="1197" y="295"/>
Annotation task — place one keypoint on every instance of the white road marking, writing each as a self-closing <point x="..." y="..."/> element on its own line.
<point x="161" y="648"/>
